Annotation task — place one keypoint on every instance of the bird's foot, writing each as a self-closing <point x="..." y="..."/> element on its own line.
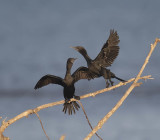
<point x="67" y="100"/>
<point x="107" y="84"/>
<point x="112" y="83"/>
<point x="76" y="97"/>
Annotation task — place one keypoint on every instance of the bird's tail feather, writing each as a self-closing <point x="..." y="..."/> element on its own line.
<point x="71" y="107"/>
<point x="120" y="79"/>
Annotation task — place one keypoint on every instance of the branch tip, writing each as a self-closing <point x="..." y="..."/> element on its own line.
<point x="157" y="40"/>
<point x="138" y="84"/>
<point x="62" y="137"/>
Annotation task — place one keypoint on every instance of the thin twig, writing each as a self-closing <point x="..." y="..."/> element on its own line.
<point x="113" y="87"/>
<point x="42" y="125"/>
<point x="88" y="119"/>
<point x="110" y="113"/>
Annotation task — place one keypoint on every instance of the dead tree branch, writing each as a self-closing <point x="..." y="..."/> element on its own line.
<point x="62" y="137"/>
<point x="26" y="113"/>
<point x="88" y="119"/>
<point x="42" y="126"/>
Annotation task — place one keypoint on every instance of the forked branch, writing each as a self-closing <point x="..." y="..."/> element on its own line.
<point x="26" y="113"/>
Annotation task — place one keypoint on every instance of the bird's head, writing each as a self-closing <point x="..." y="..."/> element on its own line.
<point x="78" y="48"/>
<point x="71" y="60"/>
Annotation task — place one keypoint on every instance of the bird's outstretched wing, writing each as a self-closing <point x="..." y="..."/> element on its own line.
<point x="109" y="51"/>
<point x="83" y="73"/>
<point x="49" y="79"/>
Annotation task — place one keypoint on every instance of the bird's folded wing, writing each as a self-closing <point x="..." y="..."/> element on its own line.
<point x="83" y="73"/>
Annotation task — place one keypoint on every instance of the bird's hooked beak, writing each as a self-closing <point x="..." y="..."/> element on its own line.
<point x="73" y="60"/>
<point x="75" y="48"/>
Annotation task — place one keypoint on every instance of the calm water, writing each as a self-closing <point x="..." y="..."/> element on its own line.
<point x="35" y="39"/>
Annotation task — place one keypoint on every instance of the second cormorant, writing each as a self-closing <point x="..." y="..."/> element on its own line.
<point x="105" y="58"/>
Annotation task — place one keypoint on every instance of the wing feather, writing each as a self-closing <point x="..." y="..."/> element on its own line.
<point x="49" y="79"/>
<point x="109" y="51"/>
<point x="83" y="73"/>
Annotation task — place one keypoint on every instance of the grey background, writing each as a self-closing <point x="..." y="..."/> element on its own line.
<point x="35" y="39"/>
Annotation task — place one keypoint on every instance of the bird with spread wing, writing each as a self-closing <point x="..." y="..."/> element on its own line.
<point x="105" y="58"/>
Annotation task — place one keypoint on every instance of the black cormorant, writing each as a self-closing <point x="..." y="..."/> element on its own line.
<point x="104" y="59"/>
<point x="67" y="83"/>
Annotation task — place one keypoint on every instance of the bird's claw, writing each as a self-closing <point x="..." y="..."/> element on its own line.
<point x="76" y="97"/>
<point x="67" y="100"/>
<point x="112" y="83"/>
<point x="107" y="84"/>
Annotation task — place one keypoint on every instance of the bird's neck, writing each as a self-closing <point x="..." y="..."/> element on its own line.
<point x="68" y="70"/>
<point x="85" y="55"/>
<point x="88" y="59"/>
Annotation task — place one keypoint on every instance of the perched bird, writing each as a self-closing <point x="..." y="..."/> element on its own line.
<point x="67" y="83"/>
<point x="105" y="58"/>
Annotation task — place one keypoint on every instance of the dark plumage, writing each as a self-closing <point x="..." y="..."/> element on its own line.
<point x="105" y="58"/>
<point x="67" y="83"/>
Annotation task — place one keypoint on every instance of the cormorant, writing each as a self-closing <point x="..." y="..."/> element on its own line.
<point x="67" y="83"/>
<point x="104" y="59"/>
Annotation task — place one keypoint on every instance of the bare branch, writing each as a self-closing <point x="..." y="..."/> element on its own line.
<point x="26" y="113"/>
<point x="110" y="113"/>
<point x="113" y="87"/>
<point x="88" y="119"/>
<point x="62" y="137"/>
<point x="42" y="126"/>
<point x="3" y="137"/>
